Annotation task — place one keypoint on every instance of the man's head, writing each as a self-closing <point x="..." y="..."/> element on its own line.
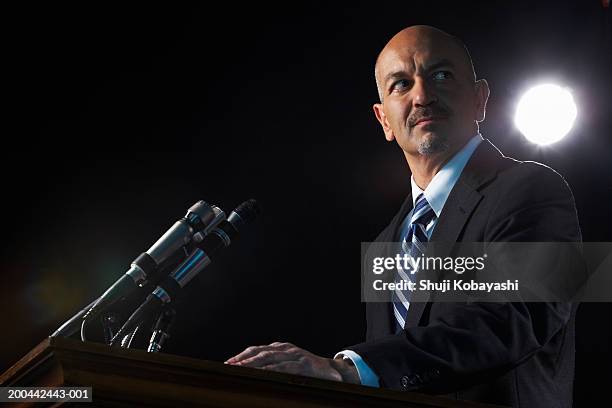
<point x="430" y="101"/>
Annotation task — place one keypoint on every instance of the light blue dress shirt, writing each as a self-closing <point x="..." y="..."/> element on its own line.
<point x="436" y="194"/>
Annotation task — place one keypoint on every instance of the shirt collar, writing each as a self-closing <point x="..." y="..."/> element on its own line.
<point x="443" y="182"/>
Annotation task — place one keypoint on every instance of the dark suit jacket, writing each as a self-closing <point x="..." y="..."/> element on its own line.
<point x="516" y="354"/>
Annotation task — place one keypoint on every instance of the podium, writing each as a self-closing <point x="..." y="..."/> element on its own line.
<point x="135" y="378"/>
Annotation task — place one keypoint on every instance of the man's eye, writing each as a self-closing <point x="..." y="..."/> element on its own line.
<point x="441" y="75"/>
<point x="401" y="84"/>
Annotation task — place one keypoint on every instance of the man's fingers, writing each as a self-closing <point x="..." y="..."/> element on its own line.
<point x="254" y="350"/>
<point x="267" y="357"/>
<point x="248" y="352"/>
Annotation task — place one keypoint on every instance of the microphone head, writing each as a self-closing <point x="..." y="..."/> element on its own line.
<point x="245" y="212"/>
<point x="200" y="214"/>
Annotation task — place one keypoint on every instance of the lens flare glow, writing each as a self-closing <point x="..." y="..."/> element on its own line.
<point x="545" y="114"/>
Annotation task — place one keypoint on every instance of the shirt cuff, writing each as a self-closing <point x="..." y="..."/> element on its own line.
<point x="366" y="375"/>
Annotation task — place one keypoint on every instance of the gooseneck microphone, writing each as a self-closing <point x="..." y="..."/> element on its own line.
<point x="170" y="288"/>
<point x="200" y="218"/>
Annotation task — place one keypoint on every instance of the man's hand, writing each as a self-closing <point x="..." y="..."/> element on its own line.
<point x="287" y="358"/>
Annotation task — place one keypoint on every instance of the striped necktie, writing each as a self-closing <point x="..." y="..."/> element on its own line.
<point x="413" y="244"/>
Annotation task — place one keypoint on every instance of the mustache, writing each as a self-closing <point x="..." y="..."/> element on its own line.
<point x="429" y="112"/>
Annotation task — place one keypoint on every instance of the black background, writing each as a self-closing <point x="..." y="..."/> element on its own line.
<point x="119" y="117"/>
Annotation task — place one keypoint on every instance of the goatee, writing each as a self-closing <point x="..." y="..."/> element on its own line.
<point x="433" y="145"/>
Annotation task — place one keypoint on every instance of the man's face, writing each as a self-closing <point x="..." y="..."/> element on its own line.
<point x="430" y="100"/>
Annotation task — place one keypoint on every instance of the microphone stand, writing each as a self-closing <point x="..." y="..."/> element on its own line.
<point x="126" y="342"/>
<point x="161" y="332"/>
<point x="109" y="326"/>
<point x="72" y="325"/>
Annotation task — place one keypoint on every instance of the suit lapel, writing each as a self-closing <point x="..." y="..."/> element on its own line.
<point x="380" y="319"/>
<point x="459" y="206"/>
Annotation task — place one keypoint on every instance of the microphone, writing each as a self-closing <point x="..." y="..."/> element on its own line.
<point x="170" y="288"/>
<point x="200" y="218"/>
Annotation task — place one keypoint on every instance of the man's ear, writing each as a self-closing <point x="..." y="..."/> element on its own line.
<point x="382" y="118"/>
<point x="482" y="96"/>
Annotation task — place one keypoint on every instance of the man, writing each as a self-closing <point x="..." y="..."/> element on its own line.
<point x="463" y="190"/>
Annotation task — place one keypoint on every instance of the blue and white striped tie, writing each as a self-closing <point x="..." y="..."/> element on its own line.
<point x="413" y="244"/>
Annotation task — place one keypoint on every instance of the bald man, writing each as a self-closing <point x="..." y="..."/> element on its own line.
<point x="462" y="190"/>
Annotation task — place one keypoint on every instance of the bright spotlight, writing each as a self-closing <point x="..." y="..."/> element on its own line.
<point x="545" y="114"/>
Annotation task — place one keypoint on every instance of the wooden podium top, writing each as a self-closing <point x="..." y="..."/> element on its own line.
<point x="128" y="378"/>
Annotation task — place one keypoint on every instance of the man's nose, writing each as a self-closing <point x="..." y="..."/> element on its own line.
<point x="423" y="95"/>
